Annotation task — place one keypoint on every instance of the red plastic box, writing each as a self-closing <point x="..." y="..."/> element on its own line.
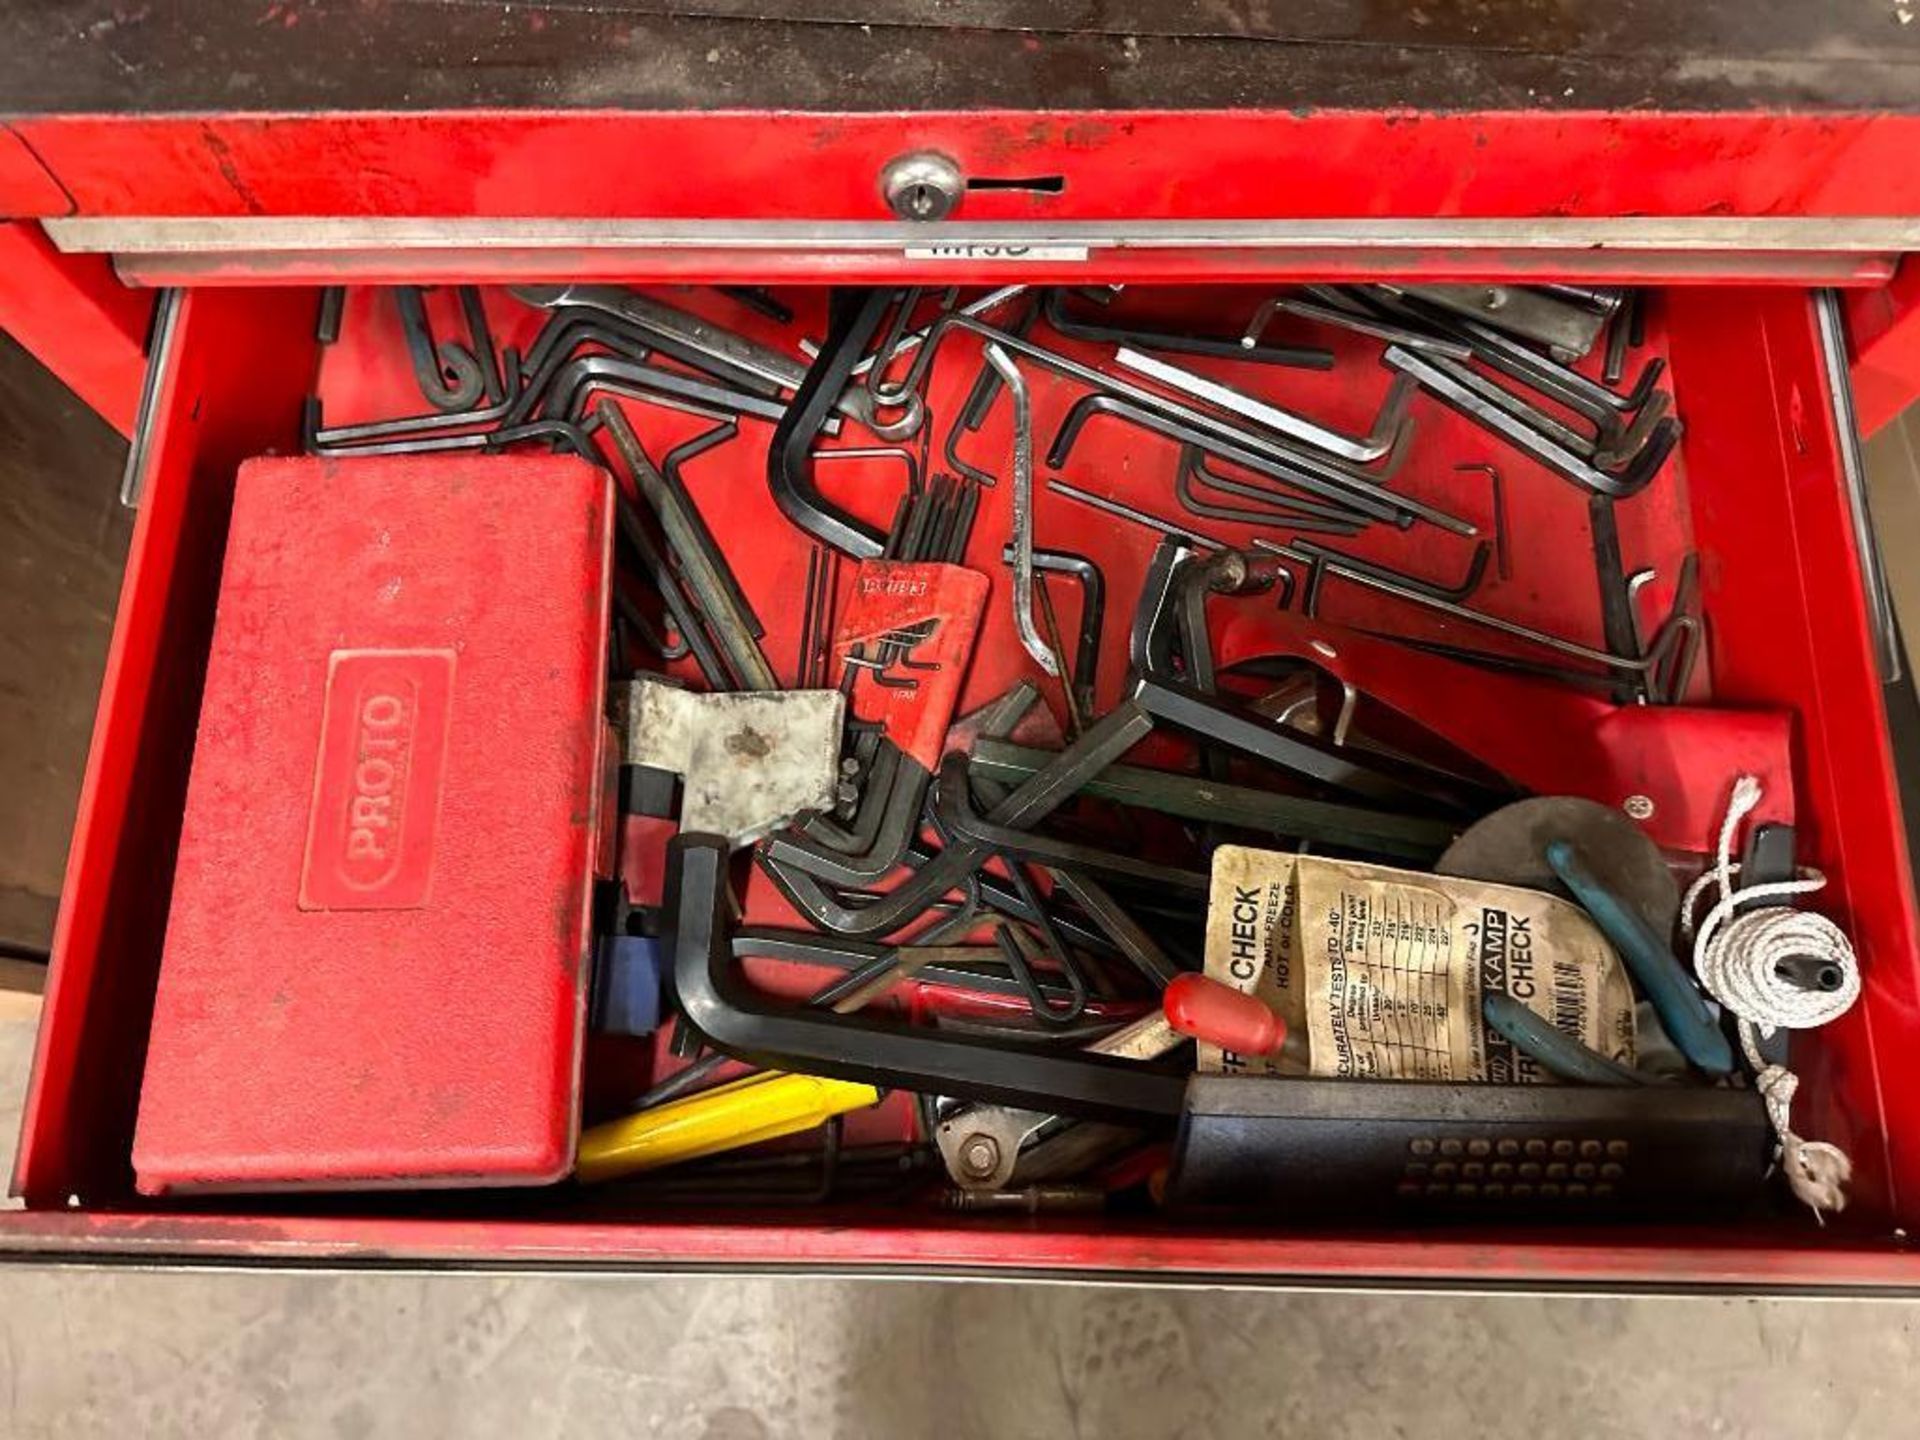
<point x="375" y="962"/>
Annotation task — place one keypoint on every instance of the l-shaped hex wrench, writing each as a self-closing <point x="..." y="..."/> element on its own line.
<point x="1362" y="449"/>
<point x="714" y="344"/>
<point x="717" y="1001"/>
<point x="1103" y="742"/>
<point x="1531" y="442"/>
<point x="1355" y="496"/>
<point x="853" y="318"/>
<point x="1353" y="487"/>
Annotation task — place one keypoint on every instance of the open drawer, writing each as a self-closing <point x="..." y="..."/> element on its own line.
<point x="1755" y="492"/>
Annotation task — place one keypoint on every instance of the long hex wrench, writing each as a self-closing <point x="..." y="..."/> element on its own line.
<point x="717" y="1000"/>
<point x="1242" y="807"/>
<point x="1611" y="448"/>
<point x="688" y="515"/>
<point x="1275" y="509"/>
<point x="1030" y="641"/>
<point x="715" y="345"/>
<point x="1355" y="488"/>
<point x="894" y="394"/>
<point x="1359" y="323"/>
<point x="1103" y="742"/>
<point x="680" y="607"/>
<point x="1318" y="558"/>
<point x="1665" y="652"/>
<point x="1093" y="609"/>
<point x="1115" y="925"/>
<point x="1296" y="469"/>
<point x="1559" y="382"/>
<point x="1530" y="442"/>
<point x="959" y="819"/>
<point x="853" y="318"/>
<point x="1176" y="700"/>
<point x="1566" y="329"/>
<point x="578" y="377"/>
<point x="1618" y="624"/>
<point x="1361" y="449"/>
<point x="1300" y="357"/>
<point x="1145" y="519"/>
<point x="704" y="569"/>
<point x="837" y="952"/>
<point x="1624" y="425"/>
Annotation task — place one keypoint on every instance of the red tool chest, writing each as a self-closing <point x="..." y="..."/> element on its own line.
<point x="1734" y="211"/>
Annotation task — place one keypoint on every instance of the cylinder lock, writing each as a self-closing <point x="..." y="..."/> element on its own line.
<point x="922" y="187"/>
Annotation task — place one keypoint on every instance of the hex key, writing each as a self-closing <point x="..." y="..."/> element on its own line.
<point x="1099" y="745"/>
<point x="1319" y="509"/>
<point x="853" y="317"/>
<point x="1124" y="934"/>
<point x="696" y="341"/>
<point x="898" y="821"/>
<point x="1553" y="378"/>
<point x="1350" y="494"/>
<point x="1530" y="442"/>
<point x="685" y="618"/>
<point x="1348" y="320"/>
<point x="1212" y="426"/>
<point x="1300" y="357"/>
<point x="1657" y="652"/>
<point x="1243" y="807"/>
<point x="1610" y="448"/>
<point x="839" y="953"/>
<point x="1318" y="557"/>
<point x="1185" y="708"/>
<point x="857" y="836"/>
<point x="701" y="533"/>
<point x="1276" y="512"/>
<point x="896" y="808"/>
<point x="575" y="377"/>
<point x="738" y="376"/>
<point x="1374" y="502"/>
<point x="706" y="569"/>
<point x="1361" y="449"/>
<point x="967" y="825"/>
<point x="1093" y="609"/>
<point x="718" y="1002"/>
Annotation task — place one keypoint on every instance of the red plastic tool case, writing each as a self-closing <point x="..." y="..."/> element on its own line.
<point x="1733" y="205"/>
<point x="375" y="961"/>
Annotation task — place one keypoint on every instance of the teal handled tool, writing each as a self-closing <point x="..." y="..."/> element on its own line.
<point x="1559" y="1053"/>
<point x="1676" y="999"/>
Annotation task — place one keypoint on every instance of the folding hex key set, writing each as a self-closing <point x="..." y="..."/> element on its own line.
<point x="960" y="656"/>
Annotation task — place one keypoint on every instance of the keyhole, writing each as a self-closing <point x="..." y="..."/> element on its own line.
<point x="922" y="201"/>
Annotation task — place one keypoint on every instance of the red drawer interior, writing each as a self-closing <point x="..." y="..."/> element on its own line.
<point x="1754" y="493"/>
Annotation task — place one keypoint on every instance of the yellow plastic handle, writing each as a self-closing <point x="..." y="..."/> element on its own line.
<point x="743" y="1112"/>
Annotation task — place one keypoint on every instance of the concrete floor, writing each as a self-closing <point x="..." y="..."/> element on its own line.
<point x="112" y="1352"/>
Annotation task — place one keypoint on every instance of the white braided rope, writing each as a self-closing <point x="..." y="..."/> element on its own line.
<point x="1736" y="958"/>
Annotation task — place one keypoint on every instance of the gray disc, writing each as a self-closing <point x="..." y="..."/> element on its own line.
<point x="1509" y="848"/>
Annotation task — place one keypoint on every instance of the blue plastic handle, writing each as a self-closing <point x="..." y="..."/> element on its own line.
<point x="1675" y="998"/>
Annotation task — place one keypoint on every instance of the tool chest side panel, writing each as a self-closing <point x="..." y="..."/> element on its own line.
<point x="1044" y="165"/>
<point x="113" y="902"/>
<point x="77" y="318"/>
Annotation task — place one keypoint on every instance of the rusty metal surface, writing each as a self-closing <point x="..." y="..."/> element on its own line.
<point x="99" y="55"/>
